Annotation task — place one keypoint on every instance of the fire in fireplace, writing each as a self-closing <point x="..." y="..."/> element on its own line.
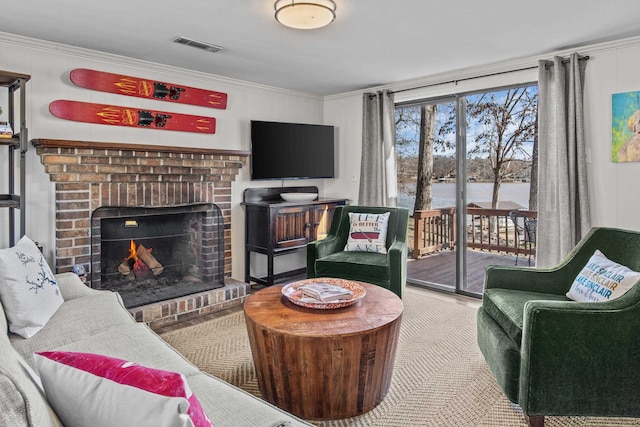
<point x="140" y="262"/>
<point x="150" y="254"/>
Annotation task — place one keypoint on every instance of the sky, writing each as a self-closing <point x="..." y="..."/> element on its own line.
<point x="444" y="109"/>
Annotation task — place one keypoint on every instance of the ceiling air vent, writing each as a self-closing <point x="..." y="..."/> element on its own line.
<point x="200" y="45"/>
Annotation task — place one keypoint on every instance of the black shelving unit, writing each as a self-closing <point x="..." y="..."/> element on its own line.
<point x="14" y="201"/>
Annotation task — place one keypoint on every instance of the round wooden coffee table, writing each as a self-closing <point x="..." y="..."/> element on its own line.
<point x="324" y="364"/>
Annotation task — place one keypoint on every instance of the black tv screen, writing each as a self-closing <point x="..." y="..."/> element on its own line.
<point x="291" y="150"/>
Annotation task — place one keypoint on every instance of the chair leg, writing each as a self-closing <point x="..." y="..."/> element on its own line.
<point x="534" y="421"/>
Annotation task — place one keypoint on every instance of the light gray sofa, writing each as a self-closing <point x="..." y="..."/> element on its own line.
<point x="95" y="321"/>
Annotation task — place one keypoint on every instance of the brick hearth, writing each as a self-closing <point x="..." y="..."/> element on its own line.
<point x="164" y="313"/>
<point x="88" y="175"/>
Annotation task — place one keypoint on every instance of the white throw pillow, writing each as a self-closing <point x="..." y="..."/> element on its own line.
<point x="100" y="391"/>
<point x="367" y="232"/>
<point x="28" y="288"/>
<point x="602" y="280"/>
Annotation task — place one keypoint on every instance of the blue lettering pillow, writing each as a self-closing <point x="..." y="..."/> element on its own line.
<point x="602" y="280"/>
<point x="367" y="232"/>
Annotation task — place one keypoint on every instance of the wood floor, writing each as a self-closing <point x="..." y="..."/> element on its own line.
<point x="439" y="268"/>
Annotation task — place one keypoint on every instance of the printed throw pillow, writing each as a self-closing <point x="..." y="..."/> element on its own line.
<point x="602" y="280"/>
<point x="28" y="289"/>
<point x="92" y="390"/>
<point x="367" y="232"/>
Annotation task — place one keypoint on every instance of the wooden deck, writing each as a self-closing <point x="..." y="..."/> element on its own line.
<point x="439" y="268"/>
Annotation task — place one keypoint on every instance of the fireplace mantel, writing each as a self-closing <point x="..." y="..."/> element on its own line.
<point x="64" y="143"/>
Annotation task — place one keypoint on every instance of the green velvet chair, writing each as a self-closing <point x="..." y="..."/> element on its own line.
<point x="327" y="258"/>
<point x="553" y="356"/>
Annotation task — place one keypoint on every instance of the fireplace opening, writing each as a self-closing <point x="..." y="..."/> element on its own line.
<point x="155" y="254"/>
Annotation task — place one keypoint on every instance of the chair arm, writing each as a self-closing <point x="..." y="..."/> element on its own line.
<point x="581" y="358"/>
<point x="327" y="246"/>
<point x="557" y="280"/>
<point x="319" y="249"/>
<point x="397" y="262"/>
<point x="550" y="281"/>
<point x="397" y="252"/>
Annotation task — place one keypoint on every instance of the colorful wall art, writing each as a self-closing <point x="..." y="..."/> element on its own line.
<point x="625" y="127"/>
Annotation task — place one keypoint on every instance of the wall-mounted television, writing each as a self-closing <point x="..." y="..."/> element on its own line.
<point x="291" y="150"/>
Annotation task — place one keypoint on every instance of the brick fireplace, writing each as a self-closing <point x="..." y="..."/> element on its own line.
<point x="92" y="175"/>
<point x="151" y="254"/>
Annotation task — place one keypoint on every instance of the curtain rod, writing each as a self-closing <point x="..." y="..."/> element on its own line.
<point x="564" y="61"/>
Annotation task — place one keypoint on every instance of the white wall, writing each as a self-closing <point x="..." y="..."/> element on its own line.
<point x="49" y="66"/>
<point x="612" y="68"/>
<point x="345" y="112"/>
<point x="614" y="186"/>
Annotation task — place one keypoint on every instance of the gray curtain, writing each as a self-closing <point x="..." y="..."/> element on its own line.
<point x="378" y="179"/>
<point x="563" y="204"/>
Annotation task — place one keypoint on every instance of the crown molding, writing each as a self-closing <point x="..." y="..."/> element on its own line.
<point x="483" y="70"/>
<point x="142" y="65"/>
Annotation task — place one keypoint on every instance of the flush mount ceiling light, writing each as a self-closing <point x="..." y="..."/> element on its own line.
<point x="305" y="15"/>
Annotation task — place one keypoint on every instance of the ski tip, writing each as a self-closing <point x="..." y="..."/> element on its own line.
<point x="55" y="106"/>
<point x="77" y="72"/>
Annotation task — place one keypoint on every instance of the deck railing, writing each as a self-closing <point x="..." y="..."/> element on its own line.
<point x="434" y="230"/>
<point x="487" y="229"/>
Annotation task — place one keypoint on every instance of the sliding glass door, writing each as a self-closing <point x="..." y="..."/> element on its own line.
<point x="427" y="179"/>
<point x="465" y="163"/>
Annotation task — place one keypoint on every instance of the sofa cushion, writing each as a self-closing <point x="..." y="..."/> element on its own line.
<point x="602" y="280"/>
<point x="28" y="288"/>
<point x="21" y="400"/>
<point x="75" y="320"/>
<point x="223" y="403"/>
<point x="137" y="343"/>
<point x="506" y="307"/>
<point x="227" y="405"/>
<point x="365" y="266"/>
<point x="90" y="389"/>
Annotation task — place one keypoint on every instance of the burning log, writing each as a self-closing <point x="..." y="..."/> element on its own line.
<point x="124" y="267"/>
<point x="145" y="255"/>
<point x="140" y="259"/>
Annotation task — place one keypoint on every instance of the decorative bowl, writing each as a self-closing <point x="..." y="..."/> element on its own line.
<point x="299" y="197"/>
<point x="293" y="294"/>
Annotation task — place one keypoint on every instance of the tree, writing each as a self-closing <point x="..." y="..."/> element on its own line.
<point x="407" y="127"/>
<point x="422" y="127"/>
<point x="505" y="123"/>
<point x="424" y="195"/>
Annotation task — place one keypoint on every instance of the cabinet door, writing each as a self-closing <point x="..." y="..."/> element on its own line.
<point x="291" y="227"/>
<point x="322" y="215"/>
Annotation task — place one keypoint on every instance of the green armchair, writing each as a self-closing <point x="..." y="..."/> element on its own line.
<point x="327" y="258"/>
<point x="554" y="356"/>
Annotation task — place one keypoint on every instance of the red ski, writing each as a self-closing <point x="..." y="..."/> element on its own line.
<point x="143" y="88"/>
<point x="133" y="117"/>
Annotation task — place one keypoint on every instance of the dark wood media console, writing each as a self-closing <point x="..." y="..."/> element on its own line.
<point x="274" y="227"/>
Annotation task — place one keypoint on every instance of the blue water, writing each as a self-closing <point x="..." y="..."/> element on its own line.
<point x="444" y="194"/>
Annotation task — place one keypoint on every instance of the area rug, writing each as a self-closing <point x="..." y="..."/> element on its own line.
<point x="439" y="378"/>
